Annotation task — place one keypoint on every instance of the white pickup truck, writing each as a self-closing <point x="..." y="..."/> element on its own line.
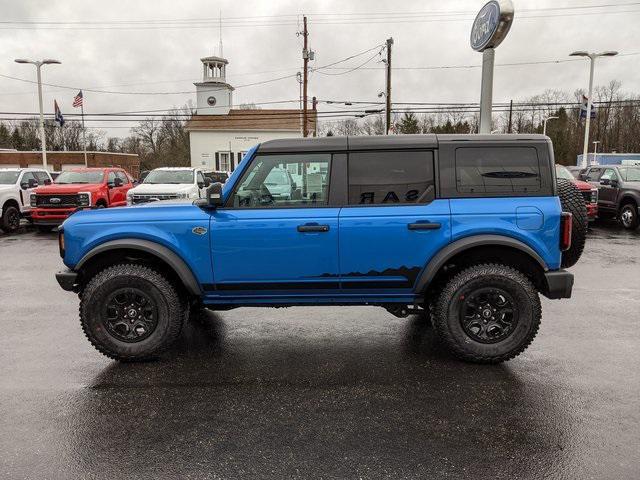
<point x="16" y="186"/>
<point x="168" y="183"/>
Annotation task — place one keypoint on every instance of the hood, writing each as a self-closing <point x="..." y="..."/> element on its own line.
<point x="583" y="185"/>
<point x="161" y="188"/>
<point x="56" y="188"/>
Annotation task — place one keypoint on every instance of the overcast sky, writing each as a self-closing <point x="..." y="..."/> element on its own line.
<point x="104" y="52"/>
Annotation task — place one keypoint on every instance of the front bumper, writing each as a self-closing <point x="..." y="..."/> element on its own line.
<point x="559" y="284"/>
<point x="50" y="216"/>
<point x="68" y="280"/>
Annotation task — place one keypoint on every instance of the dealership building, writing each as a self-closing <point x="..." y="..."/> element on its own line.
<point x="220" y="134"/>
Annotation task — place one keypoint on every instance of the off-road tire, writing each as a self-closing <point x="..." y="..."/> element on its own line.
<point x="170" y="313"/>
<point x="629" y="216"/>
<point x="45" y="228"/>
<point x="572" y="201"/>
<point x="10" y="219"/>
<point x="448" y="309"/>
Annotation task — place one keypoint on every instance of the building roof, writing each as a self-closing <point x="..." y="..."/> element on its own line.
<point x="263" y="119"/>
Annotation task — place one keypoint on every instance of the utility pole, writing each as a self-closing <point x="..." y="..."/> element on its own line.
<point x="305" y="75"/>
<point x="388" y="88"/>
<point x="510" y="115"/>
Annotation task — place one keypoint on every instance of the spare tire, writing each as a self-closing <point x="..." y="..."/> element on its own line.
<point x="573" y="202"/>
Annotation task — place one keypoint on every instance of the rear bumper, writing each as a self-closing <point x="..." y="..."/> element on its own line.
<point x="559" y="284"/>
<point x="68" y="280"/>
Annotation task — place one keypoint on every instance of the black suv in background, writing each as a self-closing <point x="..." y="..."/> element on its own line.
<point x="618" y="192"/>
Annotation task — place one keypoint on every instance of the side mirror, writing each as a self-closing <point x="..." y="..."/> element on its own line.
<point x="214" y="195"/>
<point x="605" y="181"/>
<point x="200" y="184"/>
<point x="207" y="181"/>
<point x="32" y="183"/>
<point x="47" y="182"/>
<point x="614" y="182"/>
<point x="117" y="182"/>
<point x="582" y="176"/>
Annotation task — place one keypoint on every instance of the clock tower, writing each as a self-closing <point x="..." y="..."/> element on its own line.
<point x="214" y="94"/>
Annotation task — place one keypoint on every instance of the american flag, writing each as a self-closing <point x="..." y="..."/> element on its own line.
<point x="77" y="100"/>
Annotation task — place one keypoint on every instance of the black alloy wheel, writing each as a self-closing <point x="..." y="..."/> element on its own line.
<point x="488" y="315"/>
<point x="130" y="315"/>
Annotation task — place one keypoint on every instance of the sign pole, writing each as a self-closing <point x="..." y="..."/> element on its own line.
<point x="489" y="30"/>
<point x="486" y="90"/>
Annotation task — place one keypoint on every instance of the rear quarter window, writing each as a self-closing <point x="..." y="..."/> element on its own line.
<point x="497" y="170"/>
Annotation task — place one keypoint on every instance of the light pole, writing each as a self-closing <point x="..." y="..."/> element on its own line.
<point x="38" y="64"/>
<point x="595" y="150"/>
<point x="544" y="127"/>
<point x="592" y="58"/>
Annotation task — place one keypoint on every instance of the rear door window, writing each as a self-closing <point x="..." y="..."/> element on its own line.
<point x="391" y="177"/>
<point x="497" y="170"/>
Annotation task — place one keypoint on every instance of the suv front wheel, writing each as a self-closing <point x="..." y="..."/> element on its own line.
<point x="487" y="313"/>
<point x="130" y="312"/>
<point x="629" y="216"/>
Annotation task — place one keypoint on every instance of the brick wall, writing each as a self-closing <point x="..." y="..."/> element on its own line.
<point x="56" y="160"/>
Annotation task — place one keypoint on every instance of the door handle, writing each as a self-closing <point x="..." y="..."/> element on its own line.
<point x="424" y="226"/>
<point x="312" y="227"/>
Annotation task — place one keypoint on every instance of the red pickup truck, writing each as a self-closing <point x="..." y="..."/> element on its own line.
<point x="78" y="188"/>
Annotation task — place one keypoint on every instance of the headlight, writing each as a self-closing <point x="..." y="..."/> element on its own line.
<point x="84" y="199"/>
<point x="33" y="200"/>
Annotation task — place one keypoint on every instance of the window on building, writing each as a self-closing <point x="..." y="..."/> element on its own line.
<point x="400" y="177"/>
<point x="497" y="170"/>
<point x="268" y="182"/>
<point x="225" y="161"/>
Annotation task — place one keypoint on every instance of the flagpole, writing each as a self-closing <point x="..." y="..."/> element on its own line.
<point x="84" y="138"/>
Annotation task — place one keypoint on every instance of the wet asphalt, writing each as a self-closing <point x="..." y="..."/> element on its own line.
<point x="321" y="392"/>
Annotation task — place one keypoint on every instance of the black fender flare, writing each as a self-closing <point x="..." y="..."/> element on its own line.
<point x="434" y="265"/>
<point x="163" y="253"/>
<point x="628" y="194"/>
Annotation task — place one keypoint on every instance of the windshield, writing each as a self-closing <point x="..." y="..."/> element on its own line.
<point x="87" y="176"/>
<point x="563" y="172"/>
<point x="630" y="174"/>
<point x="169" y="176"/>
<point x="8" y="178"/>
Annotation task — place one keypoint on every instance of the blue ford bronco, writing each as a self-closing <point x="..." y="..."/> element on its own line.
<point x="464" y="229"/>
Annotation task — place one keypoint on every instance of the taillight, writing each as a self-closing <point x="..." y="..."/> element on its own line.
<point x="61" y="241"/>
<point x="566" y="221"/>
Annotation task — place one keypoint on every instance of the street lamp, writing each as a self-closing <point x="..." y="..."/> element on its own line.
<point x="38" y="64"/>
<point x="544" y="128"/>
<point x="595" y="151"/>
<point x="592" y="58"/>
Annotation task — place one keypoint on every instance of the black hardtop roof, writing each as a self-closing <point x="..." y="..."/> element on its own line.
<point x="388" y="142"/>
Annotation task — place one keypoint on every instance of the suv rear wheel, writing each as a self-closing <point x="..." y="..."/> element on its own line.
<point x="487" y="313"/>
<point x="130" y="312"/>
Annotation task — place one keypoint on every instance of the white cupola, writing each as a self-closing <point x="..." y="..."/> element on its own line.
<point x="214" y="94"/>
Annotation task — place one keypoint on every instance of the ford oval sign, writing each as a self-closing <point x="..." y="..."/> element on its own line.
<point x="491" y="25"/>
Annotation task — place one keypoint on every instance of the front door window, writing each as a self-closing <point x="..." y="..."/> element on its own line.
<point x="296" y="180"/>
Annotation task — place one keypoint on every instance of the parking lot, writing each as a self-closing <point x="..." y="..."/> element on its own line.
<point x="321" y="392"/>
